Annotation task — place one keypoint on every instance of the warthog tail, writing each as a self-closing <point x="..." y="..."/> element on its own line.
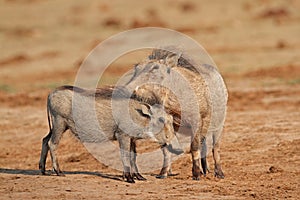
<point x="48" y="113"/>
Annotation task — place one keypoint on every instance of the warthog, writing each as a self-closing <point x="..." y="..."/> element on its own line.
<point x="152" y="122"/>
<point x="164" y="66"/>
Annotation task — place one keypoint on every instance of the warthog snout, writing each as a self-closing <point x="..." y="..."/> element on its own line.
<point x="174" y="147"/>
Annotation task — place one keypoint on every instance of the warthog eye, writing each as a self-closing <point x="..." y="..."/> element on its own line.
<point x="161" y="120"/>
<point x="154" y="68"/>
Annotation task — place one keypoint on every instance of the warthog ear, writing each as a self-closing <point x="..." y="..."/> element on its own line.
<point x="146" y="109"/>
<point x="172" y="60"/>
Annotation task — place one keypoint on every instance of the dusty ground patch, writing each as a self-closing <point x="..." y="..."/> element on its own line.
<point x="255" y="44"/>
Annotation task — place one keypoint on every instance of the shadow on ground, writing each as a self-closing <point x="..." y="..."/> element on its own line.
<point x="49" y="173"/>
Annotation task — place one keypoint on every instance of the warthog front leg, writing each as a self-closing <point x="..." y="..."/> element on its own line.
<point x="44" y="153"/>
<point x="203" y="146"/>
<point x="196" y="157"/>
<point x="196" y="164"/>
<point x="135" y="171"/>
<point x="125" y="151"/>
<point x="166" y="169"/>
<point x="216" y="155"/>
<point x="203" y="157"/>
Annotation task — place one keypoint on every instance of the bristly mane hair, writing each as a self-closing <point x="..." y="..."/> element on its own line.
<point x="154" y="99"/>
<point x="109" y="92"/>
<point x="106" y="92"/>
<point x="158" y="54"/>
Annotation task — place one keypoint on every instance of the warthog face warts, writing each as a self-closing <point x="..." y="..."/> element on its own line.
<point x="161" y="125"/>
<point x="152" y="71"/>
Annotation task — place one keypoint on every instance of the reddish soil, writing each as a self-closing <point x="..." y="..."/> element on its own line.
<point x="261" y="140"/>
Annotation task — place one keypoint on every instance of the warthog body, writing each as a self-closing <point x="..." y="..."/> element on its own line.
<point x="152" y="122"/>
<point x="211" y="99"/>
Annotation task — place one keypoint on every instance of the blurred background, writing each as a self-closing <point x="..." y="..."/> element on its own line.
<point x="43" y="42"/>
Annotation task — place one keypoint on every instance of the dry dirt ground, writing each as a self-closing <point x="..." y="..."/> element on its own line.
<point x="255" y="44"/>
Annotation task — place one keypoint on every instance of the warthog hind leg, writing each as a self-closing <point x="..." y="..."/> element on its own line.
<point x="204" y="165"/>
<point x="216" y="155"/>
<point x="195" y="151"/>
<point x="44" y="153"/>
<point x="203" y="157"/>
<point x="58" y="129"/>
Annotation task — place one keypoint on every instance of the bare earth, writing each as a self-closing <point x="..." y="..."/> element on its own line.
<point x="255" y="45"/>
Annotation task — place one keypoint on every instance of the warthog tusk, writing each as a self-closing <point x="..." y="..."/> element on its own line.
<point x="175" y="151"/>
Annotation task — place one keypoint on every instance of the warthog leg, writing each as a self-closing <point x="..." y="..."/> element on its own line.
<point x="166" y="169"/>
<point x="134" y="168"/>
<point x="196" y="166"/>
<point x="59" y="127"/>
<point x="125" y="150"/>
<point x="195" y="157"/>
<point x="203" y="157"/>
<point x="216" y="155"/>
<point x="44" y="153"/>
<point x="203" y="146"/>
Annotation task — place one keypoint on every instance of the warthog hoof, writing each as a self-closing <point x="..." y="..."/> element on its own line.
<point x="130" y="180"/>
<point x="58" y="172"/>
<point x="138" y="176"/>
<point x="128" y="177"/>
<point x="42" y="169"/>
<point x="42" y="172"/>
<point x="218" y="172"/>
<point x="196" y="170"/>
<point x="161" y="176"/>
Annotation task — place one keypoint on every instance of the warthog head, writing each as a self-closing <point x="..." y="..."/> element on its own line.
<point x="160" y="128"/>
<point x="152" y="71"/>
<point x="149" y="78"/>
<point x="153" y="80"/>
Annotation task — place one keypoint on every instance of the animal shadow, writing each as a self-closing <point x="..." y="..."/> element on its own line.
<point x="37" y="172"/>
